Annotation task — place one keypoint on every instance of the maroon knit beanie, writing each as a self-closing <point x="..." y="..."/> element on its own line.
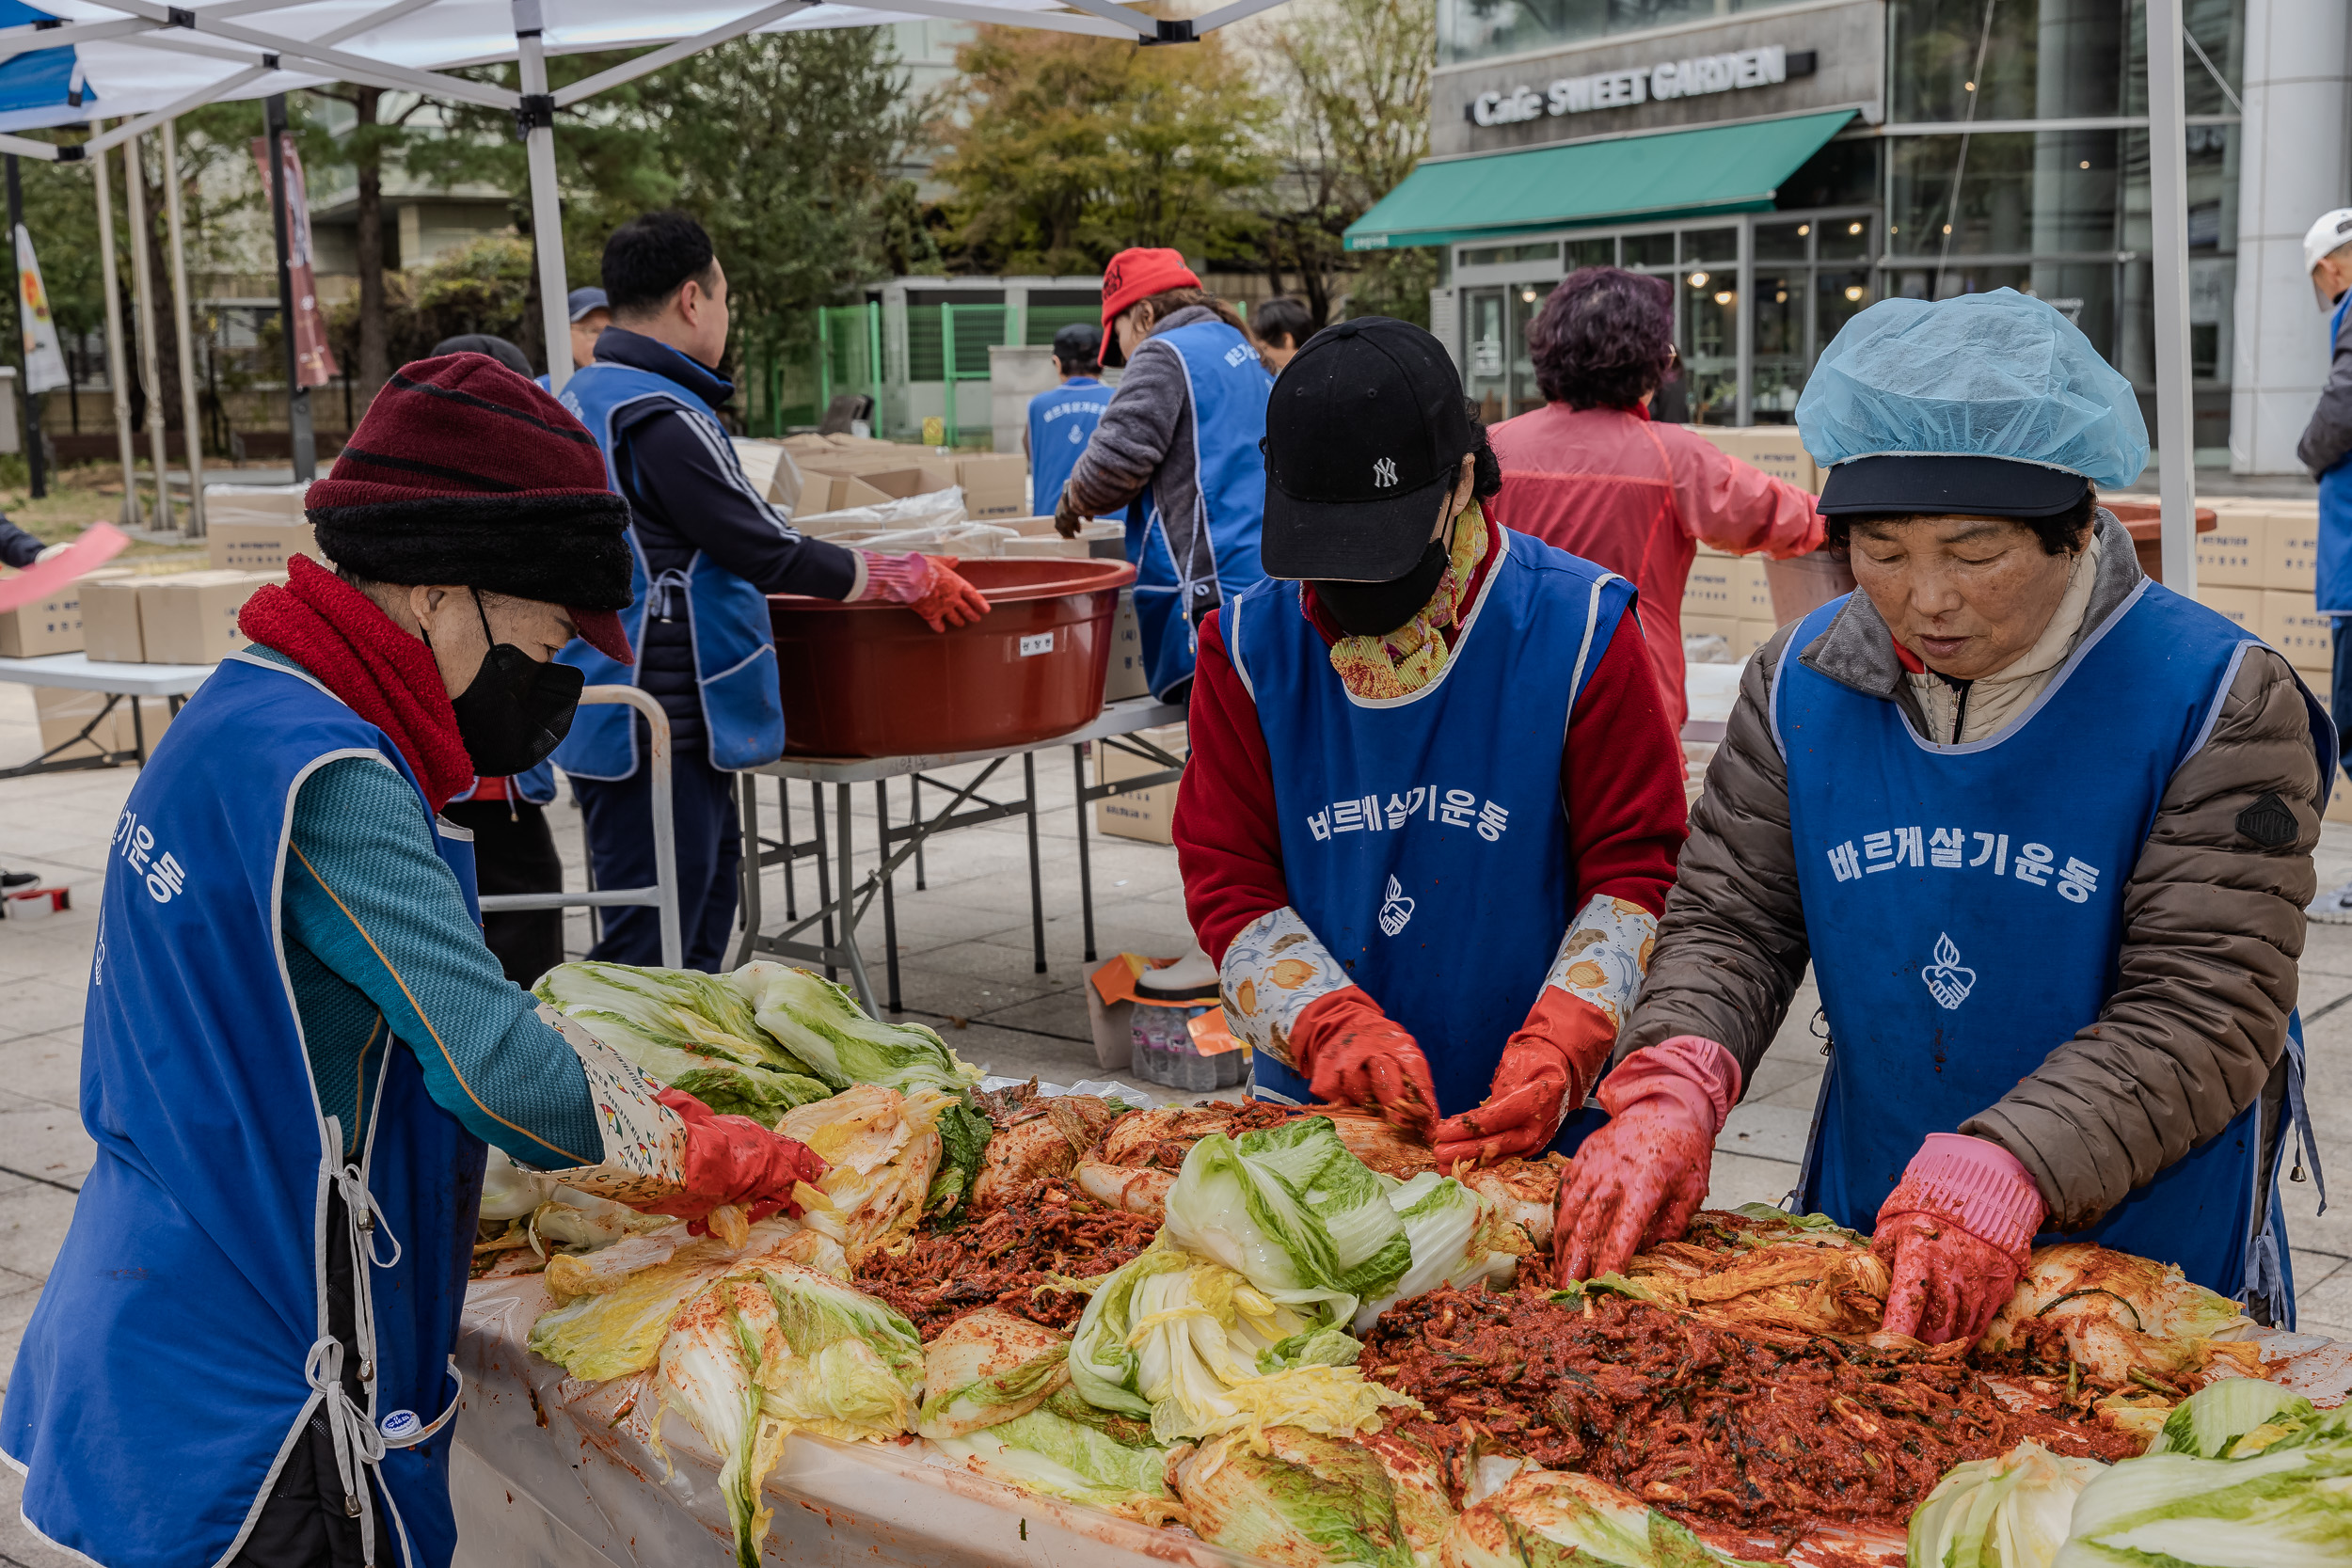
<point x="463" y="471"/>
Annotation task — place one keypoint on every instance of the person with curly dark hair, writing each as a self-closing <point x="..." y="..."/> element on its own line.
<point x="1593" y="474"/>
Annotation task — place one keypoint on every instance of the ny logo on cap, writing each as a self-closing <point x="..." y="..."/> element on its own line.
<point x="1383" y="472"/>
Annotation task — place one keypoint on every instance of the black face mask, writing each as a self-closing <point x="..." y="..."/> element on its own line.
<point x="1374" y="608"/>
<point x="518" y="710"/>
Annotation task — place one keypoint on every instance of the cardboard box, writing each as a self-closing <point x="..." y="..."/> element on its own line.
<point x="252" y="503"/>
<point x="51" y="624"/>
<point x="1753" y="634"/>
<point x="2243" y="606"/>
<point x="63" y="714"/>
<point x="1126" y="678"/>
<point x="1725" y="627"/>
<point x="259" y="547"/>
<point x="1752" y="590"/>
<point x="1711" y="589"/>
<point x="191" y="618"/>
<point x="110" y="621"/>
<point x="2231" y="555"/>
<point x="995" y="486"/>
<point x="2290" y="625"/>
<point x="1776" y="449"/>
<point x="768" y="465"/>
<point x="2291" y="552"/>
<point x="1146" y="815"/>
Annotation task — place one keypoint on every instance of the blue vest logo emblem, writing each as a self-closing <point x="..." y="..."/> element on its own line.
<point x="1948" y="980"/>
<point x="1396" y="910"/>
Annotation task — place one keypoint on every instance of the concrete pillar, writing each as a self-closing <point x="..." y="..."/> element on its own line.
<point x="2294" y="163"/>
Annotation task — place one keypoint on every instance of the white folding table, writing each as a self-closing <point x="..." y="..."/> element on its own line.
<point x="80" y="672"/>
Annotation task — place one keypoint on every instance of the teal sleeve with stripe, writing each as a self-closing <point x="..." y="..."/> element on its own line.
<point x="369" y="900"/>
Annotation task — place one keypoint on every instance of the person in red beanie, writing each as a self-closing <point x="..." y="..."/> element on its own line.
<point x="297" y="1048"/>
<point x="1177" y="449"/>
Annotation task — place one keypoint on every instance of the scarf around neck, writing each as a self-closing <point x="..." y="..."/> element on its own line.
<point x="356" y="650"/>
<point x="1401" y="662"/>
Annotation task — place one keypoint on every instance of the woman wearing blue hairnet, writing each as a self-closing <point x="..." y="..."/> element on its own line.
<point x="2041" y="828"/>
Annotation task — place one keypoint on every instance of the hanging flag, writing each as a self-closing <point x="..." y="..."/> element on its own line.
<point x="315" y="363"/>
<point x="44" y="361"/>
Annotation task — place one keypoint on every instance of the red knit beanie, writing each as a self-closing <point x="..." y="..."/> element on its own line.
<point x="462" y="471"/>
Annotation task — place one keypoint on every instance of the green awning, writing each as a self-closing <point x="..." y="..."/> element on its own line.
<point x="1670" y="174"/>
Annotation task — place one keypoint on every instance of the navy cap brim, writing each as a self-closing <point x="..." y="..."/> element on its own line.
<point x="1961" y="486"/>
<point x="1350" y="541"/>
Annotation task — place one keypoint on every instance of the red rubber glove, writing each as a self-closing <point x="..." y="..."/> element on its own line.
<point x="1639" y="1180"/>
<point x="735" y="1160"/>
<point x="1353" y="1053"/>
<point x="1545" y="1072"/>
<point x="1957" y="1233"/>
<point x="927" y="584"/>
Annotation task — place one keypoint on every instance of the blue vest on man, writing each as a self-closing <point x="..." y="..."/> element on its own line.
<point x="1423" y="837"/>
<point x="1964" y="905"/>
<point x="181" y="1345"/>
<point x="735" y="650"/>
<point x="1062" y="419"/>
<point x="1229" y="387"/>
<point x="2335" y="512"/>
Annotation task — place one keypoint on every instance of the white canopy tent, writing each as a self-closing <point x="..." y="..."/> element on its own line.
<point x="153" y="62"/>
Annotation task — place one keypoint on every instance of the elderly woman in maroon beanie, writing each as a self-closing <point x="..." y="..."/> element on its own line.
<point x="1591" y="473"/>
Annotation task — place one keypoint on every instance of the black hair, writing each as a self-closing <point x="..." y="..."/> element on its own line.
<point x="1283" y="318"/>
<point x="495" y="347"/>
<point x="1603" y="337"/>
<point x="1079" y="348"/>
<point x="650" y="258"/>
<point x="1485" y="469"/>
<point x="2061" y="532"/>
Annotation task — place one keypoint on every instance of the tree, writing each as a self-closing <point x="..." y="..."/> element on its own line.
<point x="370" y="144"/>
<point x="1352" y="81"/>
<point x="1062" y="149"/>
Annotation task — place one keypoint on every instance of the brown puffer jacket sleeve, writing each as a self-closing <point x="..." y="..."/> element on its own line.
<point x="1731" y="946"/>
<point x="2214" y="928"/>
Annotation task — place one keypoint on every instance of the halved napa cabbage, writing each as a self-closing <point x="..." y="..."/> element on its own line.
<point x="2113" y="1314"/>
<point x="821" y="1023"/>
<point x="988" y="1368"/>
<point x="687" y="1031"/>
<point x="2008" y="1512"/>
<point x="2288" y="1506"/>
<point x="881" y="1150"/>
<point x="1552" y="1517"/>
<point x="1085" y="1460"/>
<point x="1297" y="1498"/>
<point x="1294" y="1212"/>
<point x="1457" y="1238"/>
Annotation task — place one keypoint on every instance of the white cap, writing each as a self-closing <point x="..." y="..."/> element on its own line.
<point x="2327" y="236"/>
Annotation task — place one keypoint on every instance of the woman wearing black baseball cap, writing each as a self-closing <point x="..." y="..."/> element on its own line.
<point x="1434" y="800"/>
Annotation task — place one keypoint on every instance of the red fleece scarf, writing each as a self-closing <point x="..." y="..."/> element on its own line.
<point x="354" y="649"/>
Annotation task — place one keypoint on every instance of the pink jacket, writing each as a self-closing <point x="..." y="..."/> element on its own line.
<point x="1637" y="497"/>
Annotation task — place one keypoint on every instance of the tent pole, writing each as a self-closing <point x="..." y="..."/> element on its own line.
<point x="143" y="296"/>
<point x="301" y="446"/>
<point x="33" y="465"/>
<point x="2167" y="175"/>
<point x="547" y="210"/>
<point x="117" y="371"/>
<point x="192" y="427"/>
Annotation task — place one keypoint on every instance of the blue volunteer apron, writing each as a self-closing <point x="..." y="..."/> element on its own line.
<point x="1062" y="419"/>
<point x="2335" y="512"/>
<point x="1423" y="837"/>
<point x="1964" y="905"/>
<point x="1229" y="386"/>
<point x="181" y="1344"/>
<point x="735" y="650"/>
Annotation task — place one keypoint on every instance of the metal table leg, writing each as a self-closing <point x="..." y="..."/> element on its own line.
<point x="825" y="877"/>
<point x="1037" y="880"/>
<point x="1086" y="870"/>
<point x="783" y="834"/>
<point x="138" y="732"/>
<point x="890" y="906"/>
<point x="914" y="814"/>
<point x="748" y="899"/>
<point x="848" y="906"/>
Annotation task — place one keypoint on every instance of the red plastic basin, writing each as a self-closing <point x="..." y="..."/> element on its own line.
<point x="873" y="680"/>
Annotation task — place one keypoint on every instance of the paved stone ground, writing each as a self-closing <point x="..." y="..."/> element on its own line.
<point x="968" y="968"/>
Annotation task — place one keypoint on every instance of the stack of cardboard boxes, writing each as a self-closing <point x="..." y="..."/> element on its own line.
<point x="1728" y="594"/>
<point x="814" y="475"/>
<point x="121" y="615"/>
<point x="2259" y="567"/>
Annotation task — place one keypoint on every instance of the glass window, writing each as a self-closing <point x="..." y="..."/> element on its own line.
<point x="1843" y="237"/>
<point x="1710" y="244"/>
<point x="1483" y="323"/>
<point x="1506" y="255"/>
<point x="1840" y="295"/>
<point x="1649" y="250"/>
<point x="2058" y="59"/>
<point x="2020" y="193"/>
<point x="1481" y="29"/>
<point x="1783" y="242"/>
<point x="1778" y="359"/>
<point x="1592" y="253"/>
<point x="1705" y="324"/>
<point x="1526" y="300"/>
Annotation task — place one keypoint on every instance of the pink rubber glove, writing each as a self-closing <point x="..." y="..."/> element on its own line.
<point x="1956" y="1232"/>
<point x="1639" y="1180"/>
<point x="927" y="584"/>
<point x="734" y="1160"/>
<point x="1353" y="1053"/>
<point x="1545" y="1072"/>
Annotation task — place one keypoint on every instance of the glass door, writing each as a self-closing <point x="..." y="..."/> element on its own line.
<point x="1486" y="321"/>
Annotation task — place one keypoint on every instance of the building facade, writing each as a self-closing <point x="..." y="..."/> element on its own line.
<point x="1785" y="163"/>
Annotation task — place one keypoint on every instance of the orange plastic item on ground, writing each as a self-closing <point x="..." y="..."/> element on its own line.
<point x="871" y="680"/>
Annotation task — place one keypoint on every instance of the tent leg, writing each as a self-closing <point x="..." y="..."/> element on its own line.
<point x="2176" y="421"/>
<point x="143" y="296"/>
<point x="33" y="465"/>
<point x="547" y="210"/>
<point x="118" y="370"/>
<point x="301" y="444"/>
<point x="192" y="427"/>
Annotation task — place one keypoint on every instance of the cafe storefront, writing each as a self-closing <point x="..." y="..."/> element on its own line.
<point x="1783" y="165"/>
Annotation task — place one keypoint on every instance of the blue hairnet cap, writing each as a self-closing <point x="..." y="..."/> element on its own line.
<point x="1987" y="404"/>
